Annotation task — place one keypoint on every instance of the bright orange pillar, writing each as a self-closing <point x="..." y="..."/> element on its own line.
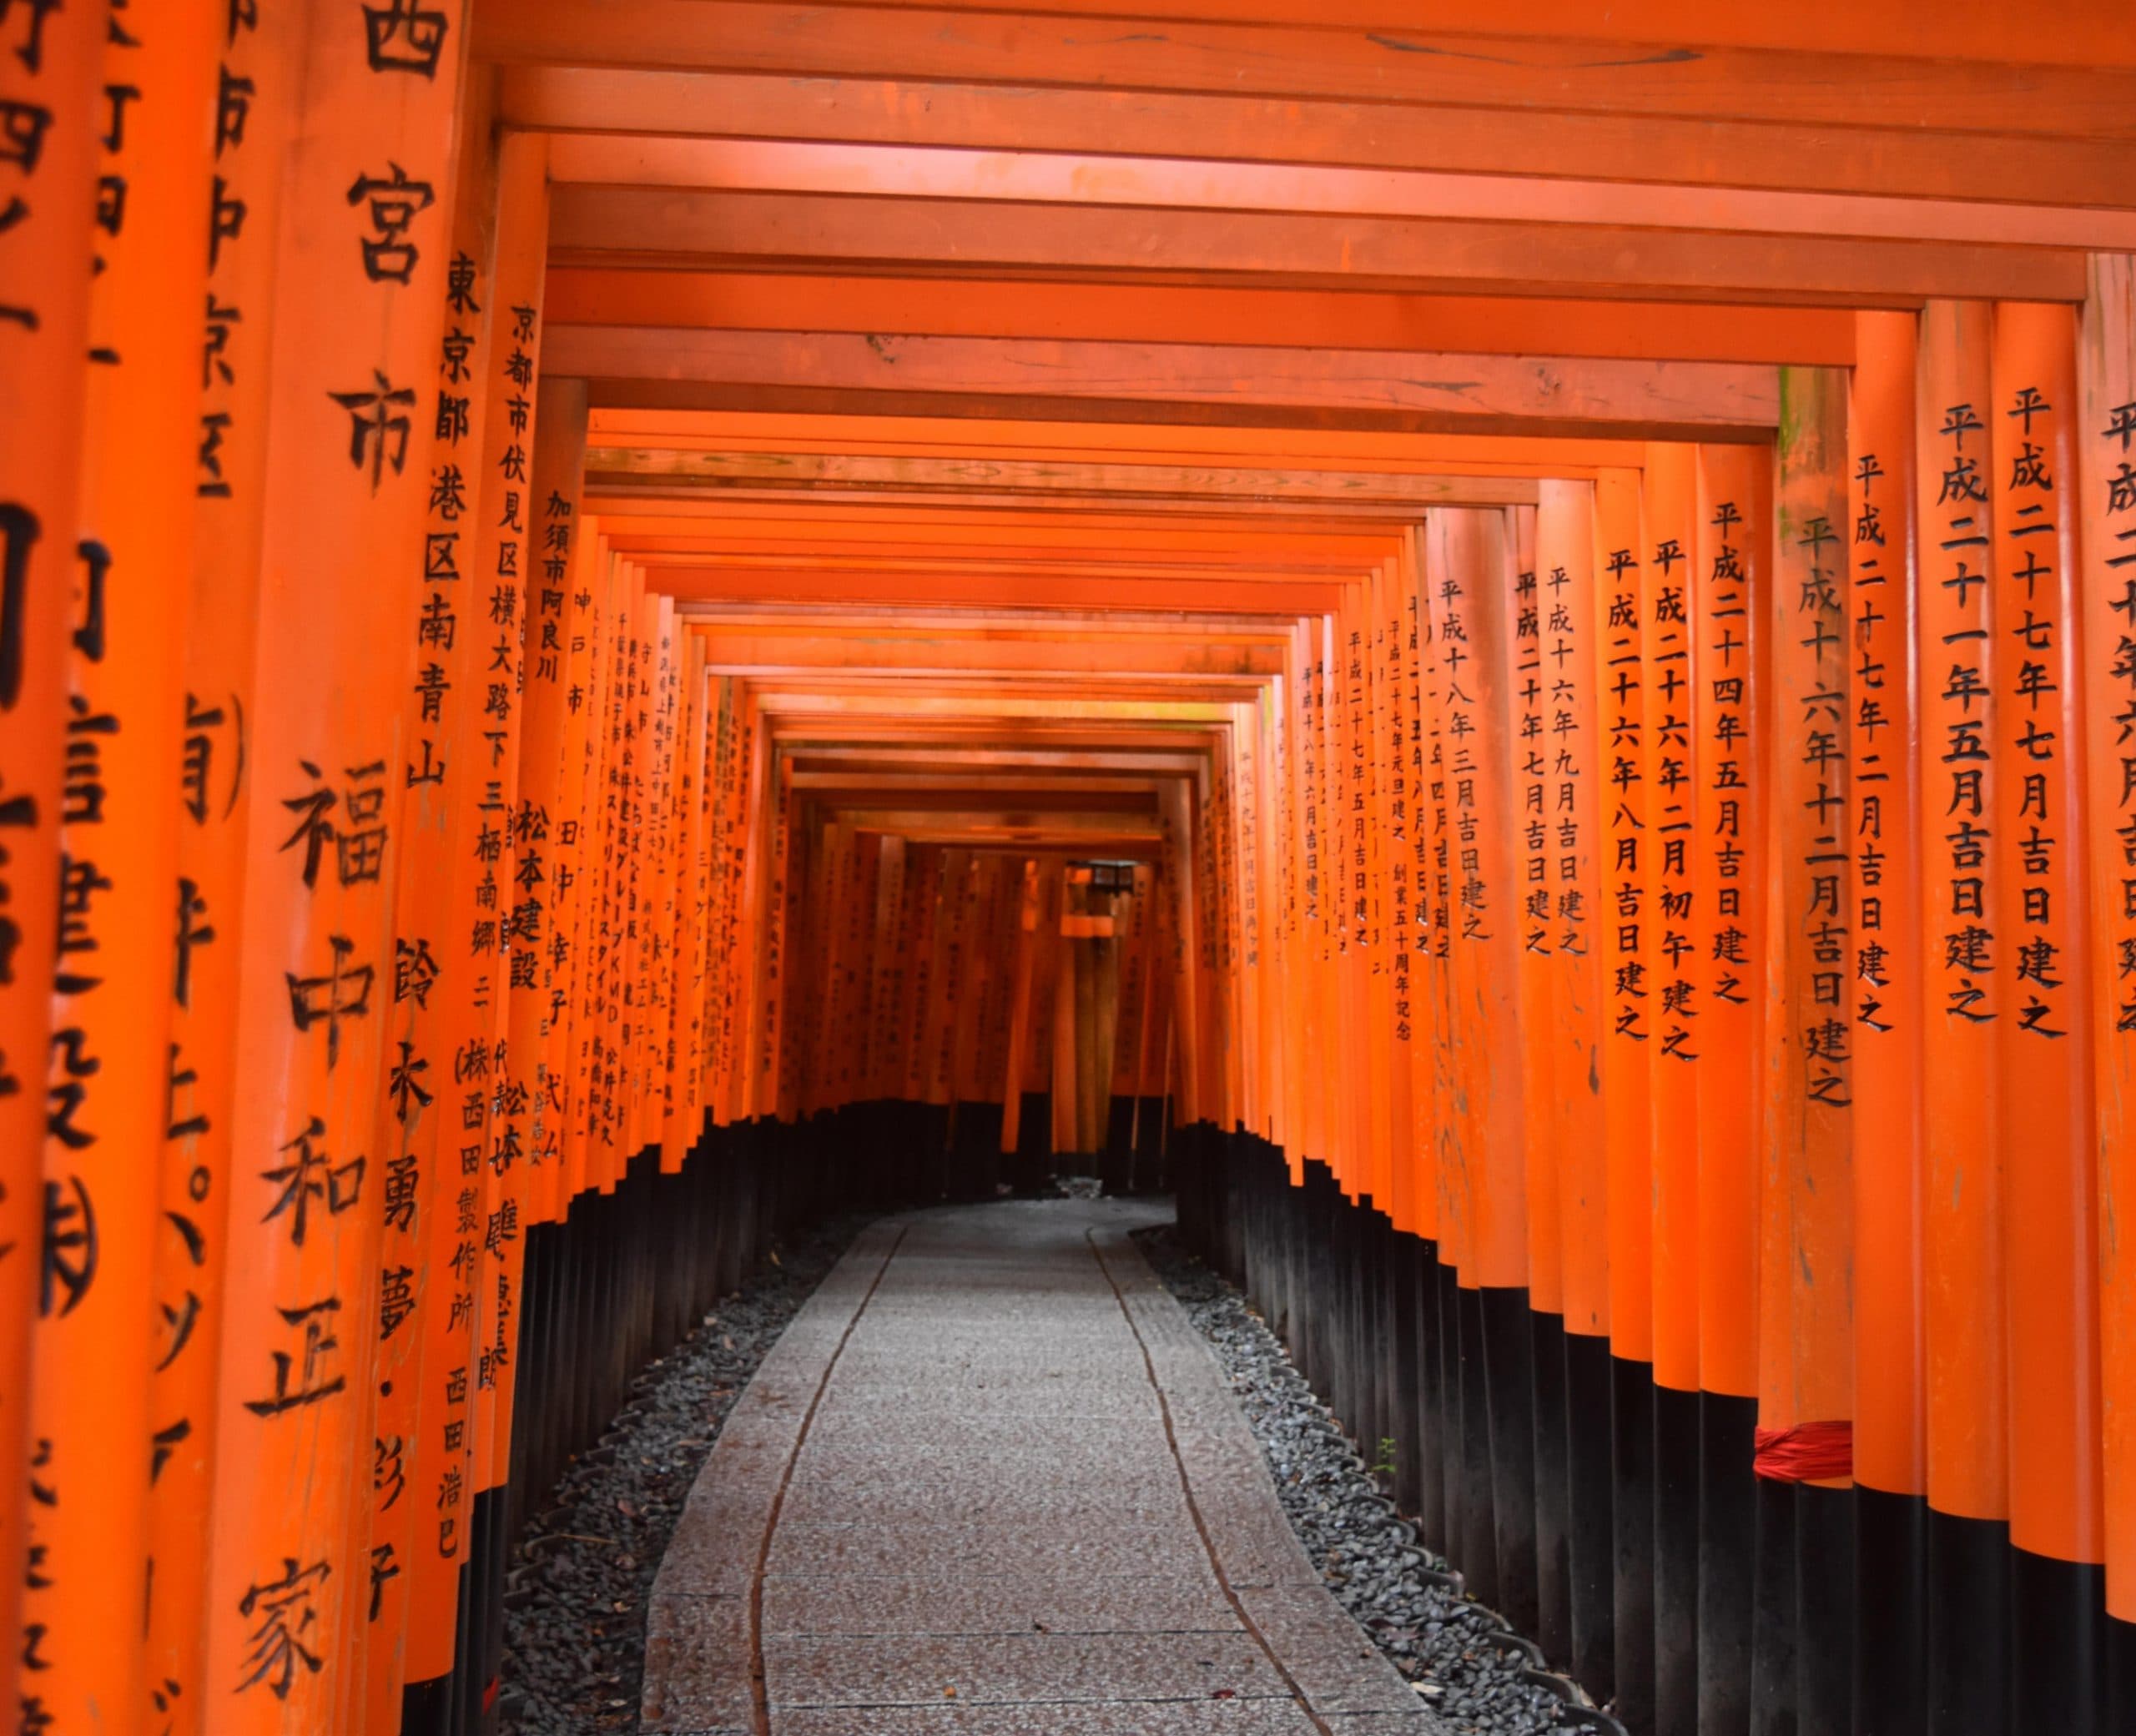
<point x="52" y="66"/>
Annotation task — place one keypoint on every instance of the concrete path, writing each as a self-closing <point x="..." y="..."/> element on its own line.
<point x="990" y="1482"/>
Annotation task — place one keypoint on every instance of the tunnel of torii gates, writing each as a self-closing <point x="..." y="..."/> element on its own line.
<point x="1504" y="652"/>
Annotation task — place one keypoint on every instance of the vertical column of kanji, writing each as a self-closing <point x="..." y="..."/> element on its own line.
<point x="109" y="1063"/>
<point x="1472" y="555"/>
<point x="257" y="78"/>
<point x="1889" y="1465"/>
<point x="614" y="946"/>
<point x="596" y="942"/>
<point x="1969" y="1458"/>
<point x="2106" y="445"/>
<point x="551" y="513"/>
<point x="1415" y="866"/>
<point x="1443" y="1475"/>
<point x="1305" y="762"/>
<point x="1544" y="1117"/>
<point x="424" y="1335"/>
<point x="711" y="880"/>
<point x="684" y="967"/>
<point x="1806" y="1301"/>
<point x="1371" y="726"/>
<point x="619" y="916"/>
<point x="1337" y="1102"/>
<point x="2050" y="1202"/>
<point x="1450" y="1208"/>
<point x="1351" y="734"/>
<point x="497" y="554"/>
<point x="775" y="817"/>
<point x="650" y="1102"/>
<point x="746" y="851"/>
<point x="51" y="121"/>
<point x="1467" y="1464"/>
<point x="719" y="888"/>
<point x="1339" y="1098"/>
<point x="571" y="873"/>
<point x="2107" y="439"/>
<point x="1727" y="571"/>
<point x="633" y="852"/>
<point x="589" y="870"/>
<point x="360" y="262"/>
<point x="1565" y="559"/>
<point x="1396" y="882"/>
<point x="1670" y="982"/>
<point x="1621" y="702"/>
<point x="686" y="1041"/>
<point x="1529" y="911"/>
<point x="438" y="1083"/>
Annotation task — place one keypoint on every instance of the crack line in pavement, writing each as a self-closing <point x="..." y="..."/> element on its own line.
<point x="759" y="1690"/>
<point x="1193" y="1507"/>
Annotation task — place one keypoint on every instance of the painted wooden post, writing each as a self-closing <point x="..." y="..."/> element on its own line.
<point x="51" y="80"/>
<point x="94" y="1432"/>
<point x="358" y="313"/>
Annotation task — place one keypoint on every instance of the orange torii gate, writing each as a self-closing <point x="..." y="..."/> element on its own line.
<point x="1504" y="652"/>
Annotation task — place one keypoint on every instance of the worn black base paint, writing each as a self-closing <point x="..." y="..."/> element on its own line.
<point x="1477" y="1532"/>
<point x="1774" y="1606"/>
<point x="426" y="1708"/>
<point x="1509" y="1383"/>
<point x="1824" y="1610"/>
<point x="1676" y="1442"/>
<point x="1553" y="1628"/>
<point x="1589" y="1574"/>
<point x="1631" y="1435"/>
<point x="2058" y="1645"/>
<point x="1891" y="1582"/>
<point x="1453" y="1487"/>
<point x="478" y="1686"/>
<point x="1405" y="1306"/>
<point x="1968" y="1627"/>
<point x="1431" y="1398"/>
<point x="1728" y="1535"/>
<point x="2119" y="1642"/>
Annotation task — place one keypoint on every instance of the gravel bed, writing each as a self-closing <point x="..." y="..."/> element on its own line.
<point x="574" y="1615"/>
<point x="1465" y="1666"/>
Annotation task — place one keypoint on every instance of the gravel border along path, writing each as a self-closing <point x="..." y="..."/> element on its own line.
<point x="576" y="1603"/>
<point x="1478" y="1675"/>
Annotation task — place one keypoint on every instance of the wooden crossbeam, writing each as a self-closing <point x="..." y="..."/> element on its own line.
<point x="1160" y="312"/>
<point x="1005" y="238"/>
<point x="610" y="468"/>
<point x="1870" y="156"/>
<point x="1175" y="182"/>
<point x="1711" y="400"/>
<point x="1390" y="64"/>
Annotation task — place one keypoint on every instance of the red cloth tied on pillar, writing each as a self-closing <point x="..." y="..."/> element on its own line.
<point x="1806" y="1453"/>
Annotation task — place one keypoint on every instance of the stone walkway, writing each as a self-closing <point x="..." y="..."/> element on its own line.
<point x="990" y="1482"/>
